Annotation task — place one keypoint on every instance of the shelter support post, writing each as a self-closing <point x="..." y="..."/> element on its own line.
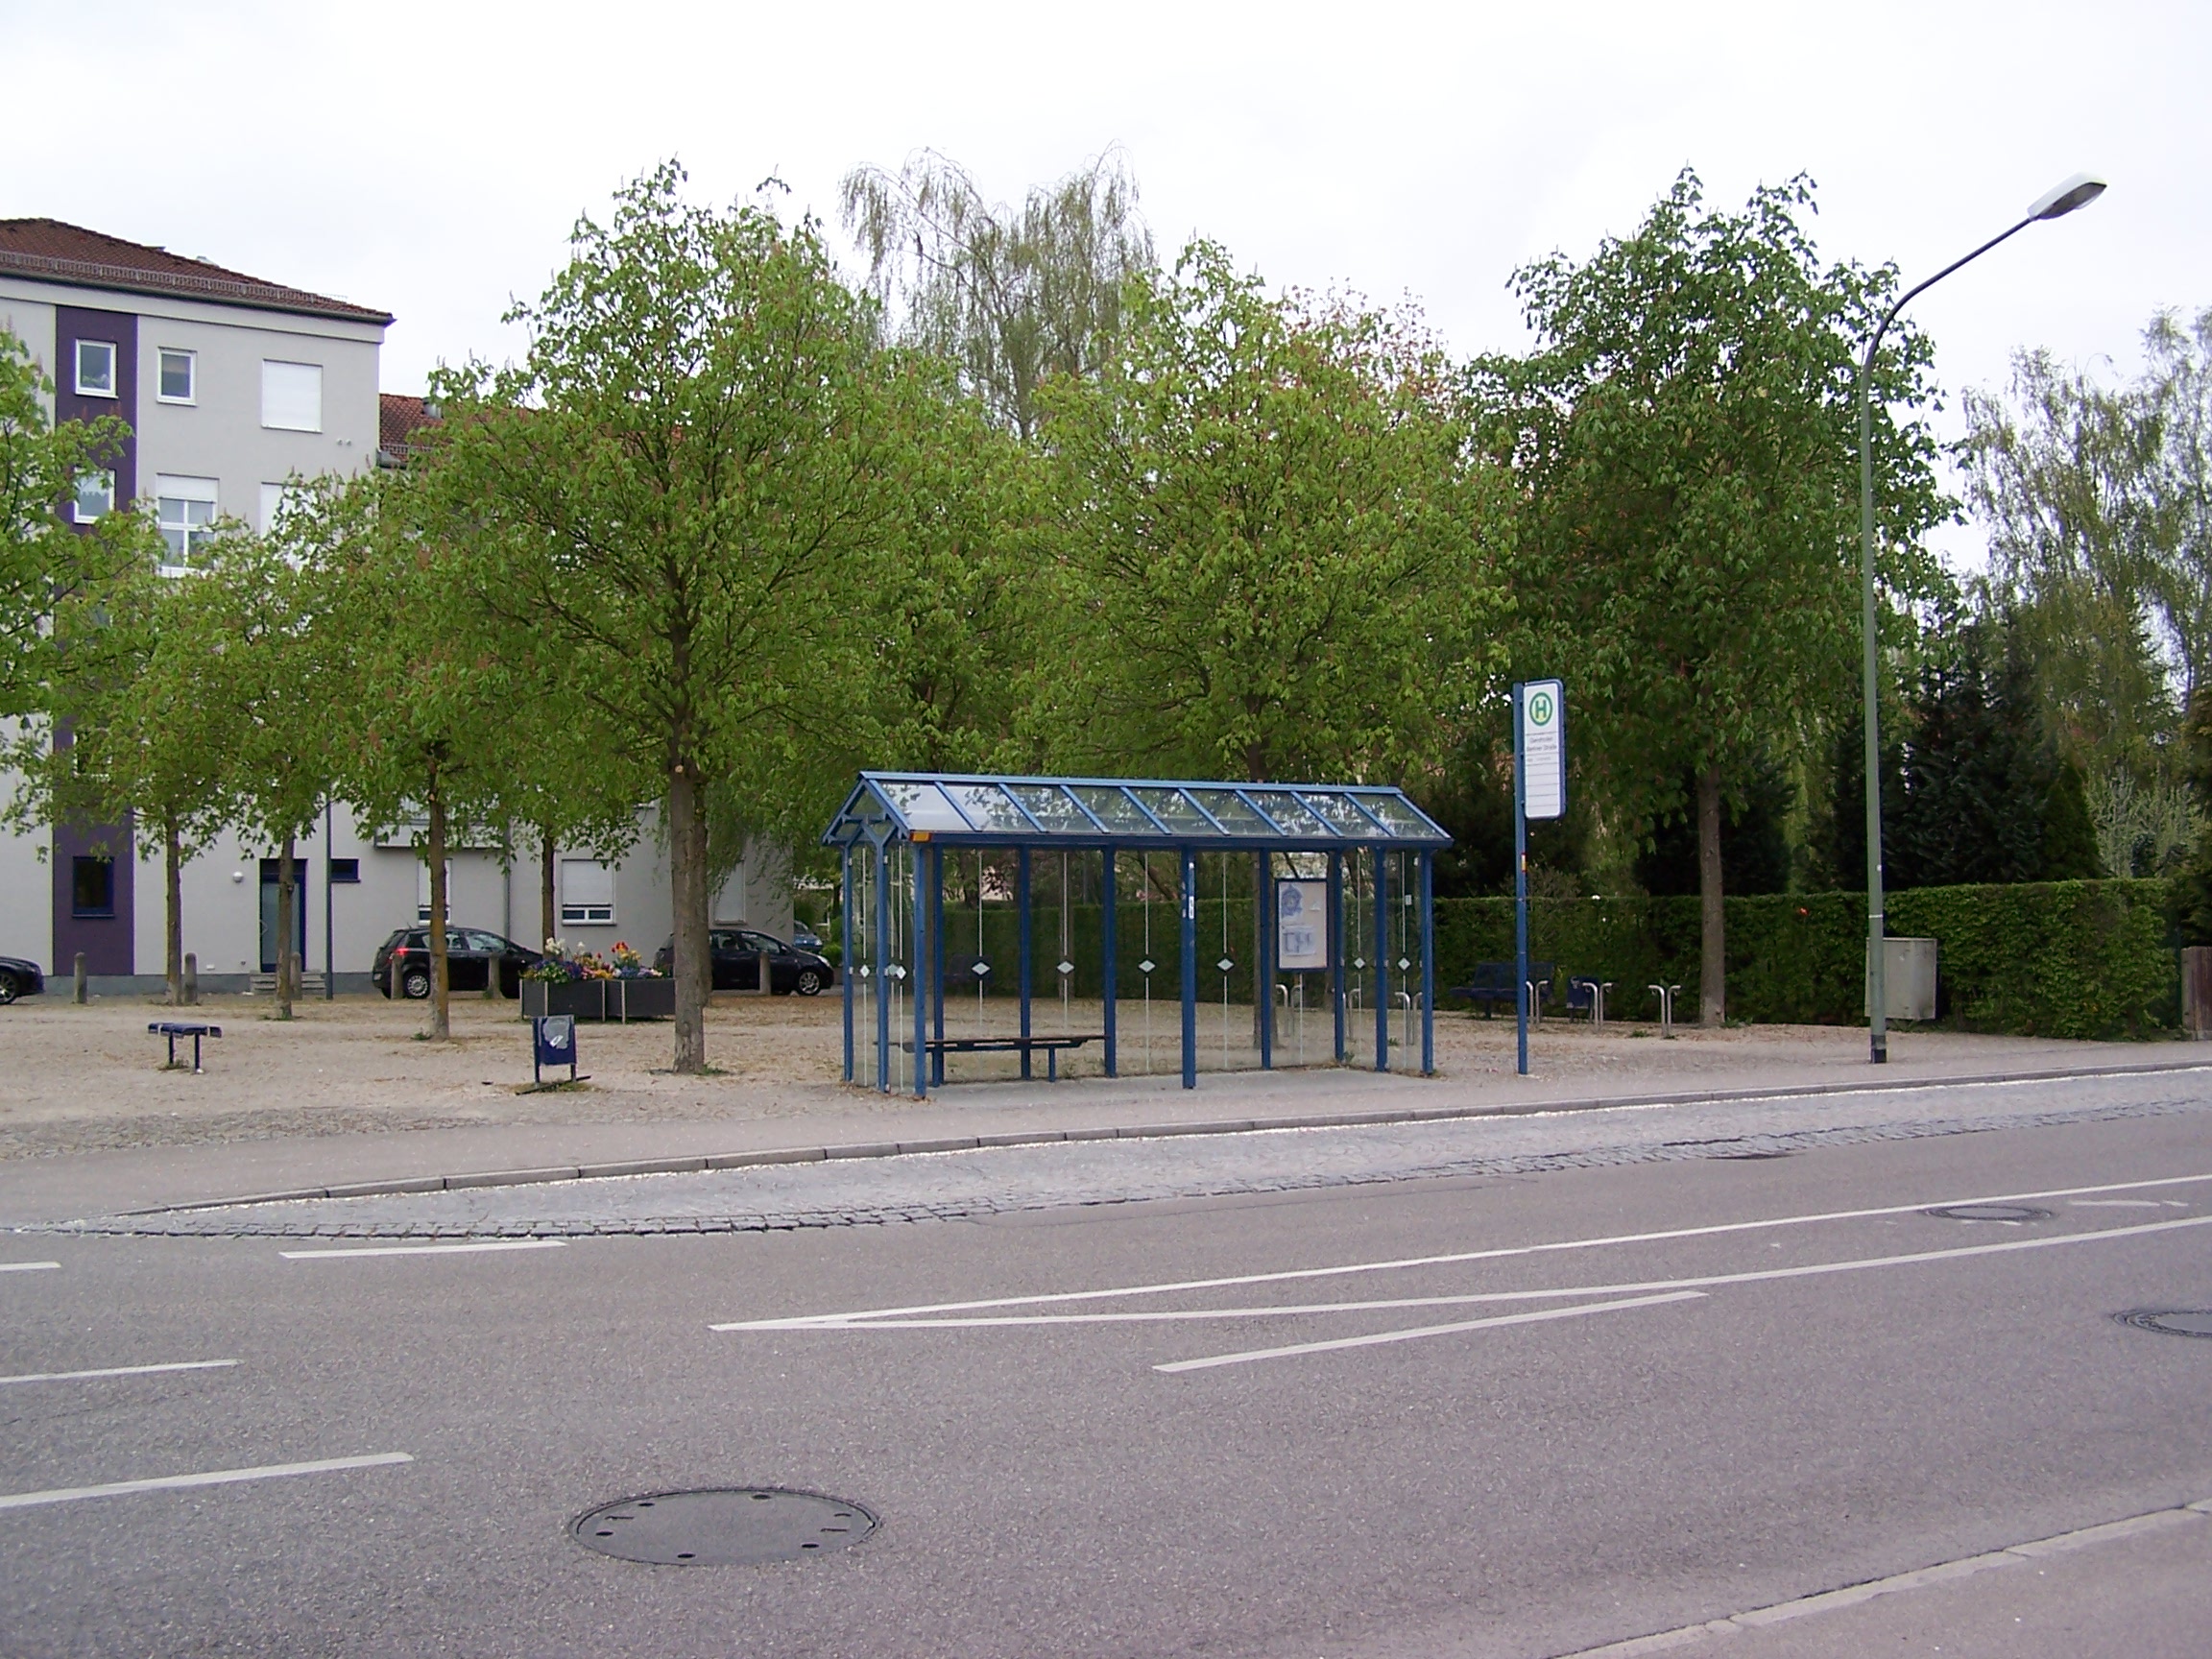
<point x="921" y="861"/>
<point x="1427" y="963"/>
<point x="937" y="959"/>
<point x="1190" y="967"/>
<point x="1106" y="920"/>
<point x="882" y="962"/>
<point x="1022" y="904"/>
<point x="845" y="946"/>
<point x="1263" y="969"/>
<point x="1382" y="960"/>
<point x="1336" y="950"/>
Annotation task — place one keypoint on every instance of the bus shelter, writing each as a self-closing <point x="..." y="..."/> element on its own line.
<point x="997" y="925"/>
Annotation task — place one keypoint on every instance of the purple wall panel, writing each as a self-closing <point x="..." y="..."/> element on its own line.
<point x="107" y="941"/>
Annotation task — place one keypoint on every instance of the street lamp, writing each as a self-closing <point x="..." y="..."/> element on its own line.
<point x="2056" y="203"/>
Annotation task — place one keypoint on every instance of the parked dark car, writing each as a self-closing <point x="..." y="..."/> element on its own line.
<point x="470" y="955"/>
<point x="737" y="953"/>
<point x="805" y="938"/>
<point x="19" y="978"/>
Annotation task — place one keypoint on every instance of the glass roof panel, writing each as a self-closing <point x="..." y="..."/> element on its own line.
<point x="1171" y="809"/>
<point x="1115" y="810"/>
<point x="1049" y="806"/>
<point x="1401" y="818"/>
<point x="1342" y="815"/>
<point x="1235" y="816"/>
<point x="922" y="807"/>
<point x="1288" y="811"/>
<point x="986" y="803"/>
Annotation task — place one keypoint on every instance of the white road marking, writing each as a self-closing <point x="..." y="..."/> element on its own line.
<point x="119" y="1371"/>
<point x="1550" y="1294"/>
<point x="800" y="1322"/>
<point x="1420" y="1331"/>
<point x="2119" y="1203"/>
<point x="1920" y="1578"/>
<point x="471" y="1248"/>
<point x="26" y="1266"/>
<point x="213" y="1478"/>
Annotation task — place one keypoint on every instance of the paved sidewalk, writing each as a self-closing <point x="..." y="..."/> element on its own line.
<point x="814" y="1116"/>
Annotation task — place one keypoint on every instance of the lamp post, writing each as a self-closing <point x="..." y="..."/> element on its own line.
<point x="2060" y="200"/>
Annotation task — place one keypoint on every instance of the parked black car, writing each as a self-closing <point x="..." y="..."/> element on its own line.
<point x="19" y="978"/>
<point x="737" y="953"/>
<point x="470" y="955"/>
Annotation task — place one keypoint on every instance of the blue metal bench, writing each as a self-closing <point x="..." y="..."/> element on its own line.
<point x="1022" y="1045"/>
<point x="175" y="1028"/>
<point x="1493" y="985"/>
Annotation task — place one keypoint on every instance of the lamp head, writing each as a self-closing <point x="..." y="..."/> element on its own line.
<point x="2068" y="194"/>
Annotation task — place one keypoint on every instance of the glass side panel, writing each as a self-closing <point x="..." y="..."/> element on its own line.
<point x="1171" y="809"/>
<point x="1288" y="811"/>
<point x="987" y="805"/>
<point x="1235" y="817"/>
<point x="1050" y="807"/>
<point x="922" y="807"/>
<point x="1115" y="810"/>
<point x="1399" y="816"/>
<point x="1340" y="814"/>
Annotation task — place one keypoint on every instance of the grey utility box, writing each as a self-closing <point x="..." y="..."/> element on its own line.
<point x="1908" y="979"/>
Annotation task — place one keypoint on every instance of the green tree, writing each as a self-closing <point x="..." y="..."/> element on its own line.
<point x="1276" y="561"/>
<point x="145" y="731"/>
<point x="1685" y="435"/>
<point x="1009" y="296"/>
<point x="685" y="482"/>
<point x="44" y="556"/>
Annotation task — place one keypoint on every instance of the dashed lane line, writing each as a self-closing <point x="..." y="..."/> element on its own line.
<point x="118" y="1371"/>
<point x="212" y="1478"/>
<point x="27" y="1266"/>
<point x="475" y="1247"/>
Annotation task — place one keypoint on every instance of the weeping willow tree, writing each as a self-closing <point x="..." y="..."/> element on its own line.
<point x="1011" y="295"/>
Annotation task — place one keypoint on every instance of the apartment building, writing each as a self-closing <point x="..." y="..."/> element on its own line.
<point x="235" y="390"/>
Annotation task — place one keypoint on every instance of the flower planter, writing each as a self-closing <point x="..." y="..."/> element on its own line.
<point x="620" y="1000"/>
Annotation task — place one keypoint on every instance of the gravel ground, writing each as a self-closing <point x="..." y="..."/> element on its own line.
<point x="991" y="1181"/>
<point x="90" y="1079"/>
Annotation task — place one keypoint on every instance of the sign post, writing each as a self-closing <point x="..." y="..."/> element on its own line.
<point x="1539" y="791"/>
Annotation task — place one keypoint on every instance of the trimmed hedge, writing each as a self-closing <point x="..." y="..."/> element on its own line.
<point x="2046" y="959"/>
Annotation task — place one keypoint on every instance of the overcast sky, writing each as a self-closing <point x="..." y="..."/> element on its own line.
<point x="429" y="159"/>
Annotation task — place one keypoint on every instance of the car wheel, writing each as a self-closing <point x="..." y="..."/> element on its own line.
<point x="9" y="989"/>
<point x="809" y="983"/>
<point x="414" y="983"/>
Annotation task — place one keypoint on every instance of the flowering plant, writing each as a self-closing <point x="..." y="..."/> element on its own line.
<point x="565" y="963"/>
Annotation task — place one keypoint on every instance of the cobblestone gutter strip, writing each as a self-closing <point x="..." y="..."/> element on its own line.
<point x="1018" y="1197"/>
<point x="691" y="1165"/>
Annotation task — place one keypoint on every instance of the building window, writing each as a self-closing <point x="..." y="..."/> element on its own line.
<point x="95" y="369"/>
<point x="292" y="397"/>
<point x="95" y="495"/>
<point x="186" y="510"/>
<point x="277" y="500"/>
<point x="344" y="871"/>
<point x="179" y="383"/>
<point x="91" y="886"/>
<point x="587" y="892"/>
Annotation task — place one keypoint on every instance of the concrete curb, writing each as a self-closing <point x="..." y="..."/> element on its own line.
<point x="694" y="1165"/>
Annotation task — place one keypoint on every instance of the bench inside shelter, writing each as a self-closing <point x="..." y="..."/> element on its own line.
<point x="1022" y="1045"/>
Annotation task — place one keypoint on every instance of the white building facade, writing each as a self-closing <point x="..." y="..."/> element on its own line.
<point x="235" y="390"/>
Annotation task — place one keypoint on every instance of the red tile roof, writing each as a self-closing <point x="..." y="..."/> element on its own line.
<point x="399" y="416"/>
<point x="48" y="251"/>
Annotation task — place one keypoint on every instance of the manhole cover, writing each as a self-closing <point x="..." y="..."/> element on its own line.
<point x="2170" y="1321"/>
<point x="722" y="1526"/>
<point x="1989" y="1213"/>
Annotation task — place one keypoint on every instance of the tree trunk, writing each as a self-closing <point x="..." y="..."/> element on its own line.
<point x="1713" y="963"/>
<point x="287" y="909"/>
<point x="548" y="913"/>
<point x="173" y="911"/>
<point x="688" y="884"/>
<point x="441" y="1000"/>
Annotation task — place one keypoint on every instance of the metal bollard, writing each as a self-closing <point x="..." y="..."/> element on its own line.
<point x="1667" y="995"/>
<point x="82" y="993"/>
<point x="191" y="980"/>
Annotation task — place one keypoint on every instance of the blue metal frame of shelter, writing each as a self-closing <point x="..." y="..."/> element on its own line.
<point x="913" y="816"/>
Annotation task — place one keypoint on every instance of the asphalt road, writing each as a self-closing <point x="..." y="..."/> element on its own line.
<point x="1726" y="1383"/>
